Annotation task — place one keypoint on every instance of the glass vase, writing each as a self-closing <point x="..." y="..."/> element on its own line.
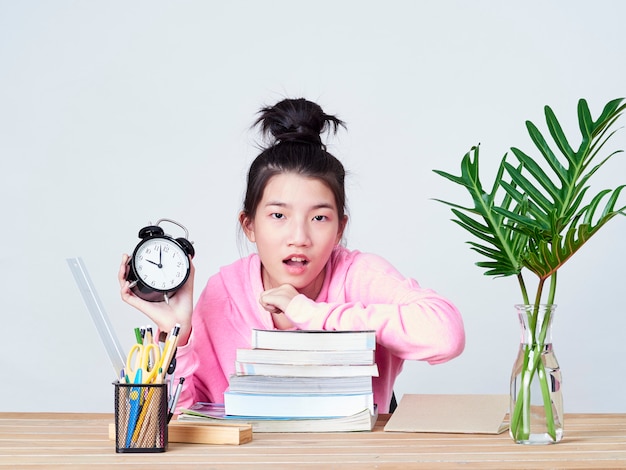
<point x="536" y="411"/>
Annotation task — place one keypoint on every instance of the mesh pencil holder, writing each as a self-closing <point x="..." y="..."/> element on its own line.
<point x="140" y="417"/>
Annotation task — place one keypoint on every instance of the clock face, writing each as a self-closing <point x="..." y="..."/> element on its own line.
<point x="161" y="264"/>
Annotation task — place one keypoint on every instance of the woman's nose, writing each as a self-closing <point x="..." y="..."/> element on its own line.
<point x="299" y="235"/>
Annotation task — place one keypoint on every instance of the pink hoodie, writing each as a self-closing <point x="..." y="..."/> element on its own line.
<point x="361" y="291"/>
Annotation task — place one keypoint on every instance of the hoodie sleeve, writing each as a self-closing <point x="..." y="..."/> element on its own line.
<point x="410" y="321"/>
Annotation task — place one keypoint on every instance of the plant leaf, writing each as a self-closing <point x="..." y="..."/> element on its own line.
<point x="535" y="215"/>
<point x="490" y="225"/>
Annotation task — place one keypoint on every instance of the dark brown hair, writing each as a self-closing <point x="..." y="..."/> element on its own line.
<point x="293" y="128"/>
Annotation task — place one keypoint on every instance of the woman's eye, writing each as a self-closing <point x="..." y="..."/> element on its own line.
<point x="277" y="215"/>
<point x="320" y="218"/>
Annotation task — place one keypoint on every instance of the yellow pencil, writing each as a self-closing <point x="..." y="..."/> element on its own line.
<point x="170" y="348"/>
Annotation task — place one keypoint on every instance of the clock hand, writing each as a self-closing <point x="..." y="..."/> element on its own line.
<point x="159" y="265"/>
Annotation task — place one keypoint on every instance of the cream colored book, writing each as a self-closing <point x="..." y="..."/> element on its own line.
<point x="477" y="414"/>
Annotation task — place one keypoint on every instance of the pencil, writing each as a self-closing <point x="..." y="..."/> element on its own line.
<point x="170" y="347"/>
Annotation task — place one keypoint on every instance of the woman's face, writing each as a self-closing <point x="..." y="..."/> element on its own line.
<point x="295" y="229"/>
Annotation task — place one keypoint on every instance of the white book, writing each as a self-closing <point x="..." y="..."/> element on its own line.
<point x="297" y="405"/>
<point x="279" y="356"/>
<point x="291" y="370"/>
<point x="314" y="340"/>
<point x="287" y="385"/>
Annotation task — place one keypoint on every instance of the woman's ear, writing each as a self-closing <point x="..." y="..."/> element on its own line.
<point x="248" y="226"/>
<point x="342" y="227"/>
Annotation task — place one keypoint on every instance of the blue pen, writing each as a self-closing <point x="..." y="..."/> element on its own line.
<point x="134" y="397"/>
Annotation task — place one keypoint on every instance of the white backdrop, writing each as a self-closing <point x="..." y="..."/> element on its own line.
<point x="114" y="114"/>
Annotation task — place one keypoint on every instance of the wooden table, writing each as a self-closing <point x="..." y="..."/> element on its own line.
<point x="66" y="440"/>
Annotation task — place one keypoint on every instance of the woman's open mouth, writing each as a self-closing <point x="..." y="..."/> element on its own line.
<point x="296" y="261"/>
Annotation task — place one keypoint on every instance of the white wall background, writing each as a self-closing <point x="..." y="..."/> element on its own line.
<point x="116" y="113"/>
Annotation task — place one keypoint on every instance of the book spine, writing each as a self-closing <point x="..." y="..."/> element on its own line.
<point x="287" y="370"/>
<point x="294" y="357"/>
<point x="313" y="340"/>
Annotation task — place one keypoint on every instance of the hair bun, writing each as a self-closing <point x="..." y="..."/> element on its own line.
<point x="296" y="120"/>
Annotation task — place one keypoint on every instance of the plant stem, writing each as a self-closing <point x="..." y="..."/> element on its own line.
<point x="522" y="285"/>
<point x="533" y="318"/>
<point x="543" y="378"/>
<point x="516" y="413"/>
<point x="552" y="292"/>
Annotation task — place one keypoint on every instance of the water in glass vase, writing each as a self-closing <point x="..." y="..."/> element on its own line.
<point x="536" y="395"/>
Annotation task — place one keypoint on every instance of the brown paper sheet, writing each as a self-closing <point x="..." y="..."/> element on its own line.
<point x="471" y="414"/>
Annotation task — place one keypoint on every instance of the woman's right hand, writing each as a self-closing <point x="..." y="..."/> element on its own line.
<point x="165" y="315"/>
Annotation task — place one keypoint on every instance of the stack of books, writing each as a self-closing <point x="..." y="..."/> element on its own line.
<point x="300" y="381"/>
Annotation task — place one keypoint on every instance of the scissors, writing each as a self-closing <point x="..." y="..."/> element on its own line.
<point x="142" y="363"/>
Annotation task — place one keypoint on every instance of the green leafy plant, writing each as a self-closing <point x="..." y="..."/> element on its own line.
<point x="537" y="214"/>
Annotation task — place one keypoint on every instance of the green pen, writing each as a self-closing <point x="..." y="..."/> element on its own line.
<point x="138" y="335"/>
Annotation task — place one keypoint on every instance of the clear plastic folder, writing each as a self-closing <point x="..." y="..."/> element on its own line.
<point x="98" y="314"/>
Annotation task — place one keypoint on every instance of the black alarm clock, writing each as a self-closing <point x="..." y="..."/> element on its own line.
<point x="159" y="266"/>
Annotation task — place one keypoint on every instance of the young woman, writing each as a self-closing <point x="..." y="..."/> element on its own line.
<point x="301" y="276"/>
